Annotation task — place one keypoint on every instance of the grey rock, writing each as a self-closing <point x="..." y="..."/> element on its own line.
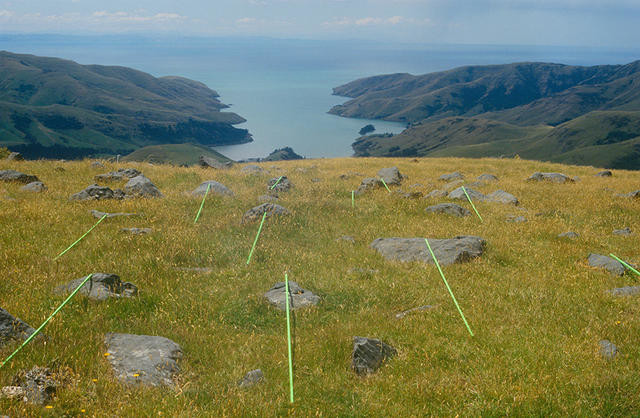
<point x="316" y="180"/>
<point x="604" y="173"/>
<point x="347" y="238"/>
<point x="516" y="218"/>
<point x="402" y="314"/>
<point x="12" y="392"/>
<point x="633" y="195"/>
<point x="252" y="169"/>
<point x="390" y="175"/>
<point x="268" y="198"/>
<point x="39" y="385"/>
<point x="625" y="291"/>
<point x="611" y="265"/>
<point x="16" y="176"/>
<point x="625" y="231"/>
<point x="214" y="187"/>
<point x="436" y="194"/>
<point x="143" y="359"/>
<point x="451" y="176"/>
<point x="12" y="328"/>
<point x="458" y="194"/>
<point x="271" y="209"/>
<point x="99" y="215"/>
<point x="569" y="234"/>
<point x="137" y="231"/>
<point x="409" y="195"/>
<point x="501" y="196"/>
<point x="369" y="354"/>
<point x="208" y="162"/>
<point x="100" y="286"/>
<point x="487" y="177"/>
<point x="35" y="187"/>
<point x="448" y="251"/>
<point x="282" y="186"/>
<point x="608" y="350"/>
<point x="95" y="192"/>
<point x="552" y="177"/>
<point x="367" y="184"/>
<point x="97" y="164"/>
<point x="15" y="156"/>
<point x="121" y="174"/>
<point x="142" y="187"/>
<point x="453" y="184"/>
<point x="252" y="378"/>
<point x="449" y="209"/>
<point x="300" y="298"/>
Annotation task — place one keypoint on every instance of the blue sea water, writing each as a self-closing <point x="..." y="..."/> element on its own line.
<point x="284" y="87"/>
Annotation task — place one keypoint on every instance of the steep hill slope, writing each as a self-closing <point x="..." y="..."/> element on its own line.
<point x="56" y="108"/>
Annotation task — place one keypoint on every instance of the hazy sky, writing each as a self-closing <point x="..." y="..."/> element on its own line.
<point x="614" y="23"/>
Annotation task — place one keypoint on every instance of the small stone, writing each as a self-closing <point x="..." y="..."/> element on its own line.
<point x="15" y="156"/>
<point x="300" y="298"/>
<point x="99" y="215"/>
<point x="633" y="195"/>
<point x="214" y="187"/>
<point x="369" y="354"/>
<point x="100" y="286"/>
<point x="282" y="184"/>
<point x="252" y="169"/>
<point x="452" y="176"/>
<point x="487" y="177"/>
<point x="458" y="194"/>
<point x="390" y="175"/>
<point x="409" y="195"/>
<point x="16" y="176"/>
<point x="121" y="174"/>
<point x="516" y="219"/>
<point x="604" y="173"/>
<point x="611" y="265"/>
<point x="136" y="231"/>
<point x="35" y="187"/>
<point x="569" y="234"/>
<point x="608" y="350"/>
<point x="252" y="378"/>
<point x="449" y="209"/>
<point x="436" y="194"/>
<point x="208" y="162"/>
<point x="347" y="238"/>
<point x="98" y="193"/>
<point x="402" y="314"/>
<point x="143" y="359"/>
<point x="271" y="209"/>
<point x="97" y="164"/>
<point x="39" y="385"/>
<point x="142" y="187"/>
<point x="625" y="231"/>
<point x="552" y="177"/>
<point x="501" y="196"/>
<point x="625" y="291"/>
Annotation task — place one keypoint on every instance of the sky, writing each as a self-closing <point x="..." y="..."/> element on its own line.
<point x="602" y="23"/>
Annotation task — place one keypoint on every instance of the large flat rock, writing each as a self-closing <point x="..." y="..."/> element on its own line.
<point x="12" y="328"/>
<point x="300" y="298"/>
<point x="448" y="251"/>
<point x="101" y="286"/>
<point x="214" y="188"/>
<point x="143" y="359"/>
<point x="16" y="176"/>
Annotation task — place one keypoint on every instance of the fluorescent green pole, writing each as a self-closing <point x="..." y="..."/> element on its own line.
<point x="448" y="288"/>
<point x="385" y="184"/>
<point x="32" y="336"/>
<point x="79" y="239"/>
<point x="286" y="281"/>
<point x="202" y="204"/>
<point x="472" y="205"/>
<point x="276" y="183"/>
<point x="626" y="265"/>
<point x="256" y="240"/>
<point x="353" y="199"/>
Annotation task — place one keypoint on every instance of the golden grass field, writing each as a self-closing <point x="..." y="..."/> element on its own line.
<point x="537" y="309"/>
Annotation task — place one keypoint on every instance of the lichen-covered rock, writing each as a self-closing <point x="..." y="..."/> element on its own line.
<point x="487" y="177"/>
<point x="300" y="298"/>
<point x="252" y="378"/>
<point x="624" y="231"/>
<point x="119" y="175"/>
<point x="141" y="186"/>
<point x="39" y="385"/>
<point x="95" y="192"/>
<point x="552" y="177"/>
<point x="279" y="184"/>
<point x="447" y="251"/>
<point x="390" y="175"/>
<point x="16" y="176"/>
<point x="271" y="209"/>
<point x="208" y="162"/>
<point x="451" y="176"/>
<point x="214" y="187"/>
<point x="501" y="196"/>
<point x="368" y="355"/>
<point x="100" y="286"/>
<point x="143" y="359"/>
<point x="35" y="187"/>
<point x="367" y="184"/>
<point x="611" y="265"/>
<point x="458" y="194"/>
<point x="608" y="350"/>
<point x="449" y="209"/>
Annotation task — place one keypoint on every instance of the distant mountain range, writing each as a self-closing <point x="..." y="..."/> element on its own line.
<point x="554" y="112"/>
<point x="56" y="108"/>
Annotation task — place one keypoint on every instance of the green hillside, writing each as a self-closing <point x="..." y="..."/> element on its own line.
<point x="56" y="108"/>
<point x="175" y="154"/>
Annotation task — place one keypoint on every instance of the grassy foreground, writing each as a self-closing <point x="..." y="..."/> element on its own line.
<point x="536" y="308"/>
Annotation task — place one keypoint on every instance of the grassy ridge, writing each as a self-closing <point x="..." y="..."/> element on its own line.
<point x="537" y="310"/>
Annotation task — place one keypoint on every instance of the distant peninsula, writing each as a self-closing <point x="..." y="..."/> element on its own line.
<point x="543" y="111"/>
<point x="55" y="108"/>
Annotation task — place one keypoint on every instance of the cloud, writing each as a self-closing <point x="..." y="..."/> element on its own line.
<point x="246" y="20"/>
<point x="135" y="17"/>
<point x="6" y="13"/>
<point x="375" y="21"/>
